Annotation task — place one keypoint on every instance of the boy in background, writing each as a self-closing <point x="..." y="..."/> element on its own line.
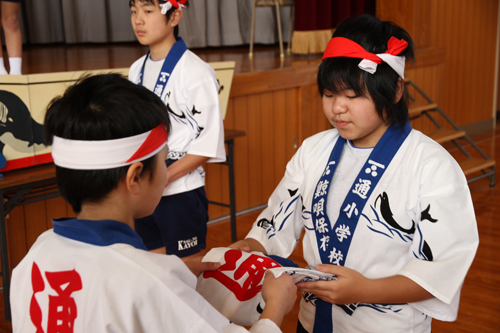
<point x="189" y="88"/>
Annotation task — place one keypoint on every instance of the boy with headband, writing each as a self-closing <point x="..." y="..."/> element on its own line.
<point x="93" y="273"/>
<point x="187" y="85"/>
<point x="384" y="208"/>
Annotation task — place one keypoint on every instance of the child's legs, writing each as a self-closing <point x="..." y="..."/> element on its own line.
<point x="179" y="223"/>
<point x="10" y="25"/>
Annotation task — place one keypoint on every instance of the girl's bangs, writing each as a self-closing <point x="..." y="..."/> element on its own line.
<point x="336" y="75"/>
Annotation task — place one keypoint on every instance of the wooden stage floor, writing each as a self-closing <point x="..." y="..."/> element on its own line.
<point x="60" y="57"/>
<point x="479" y="307"/>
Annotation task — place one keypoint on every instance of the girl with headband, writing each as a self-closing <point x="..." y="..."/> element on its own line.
<point x="384" y="208"/>
<point x="93" y="273"/>
<point x="189" y="88"/>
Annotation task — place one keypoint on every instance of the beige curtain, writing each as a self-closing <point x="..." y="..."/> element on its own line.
<point x="205" y="23"/>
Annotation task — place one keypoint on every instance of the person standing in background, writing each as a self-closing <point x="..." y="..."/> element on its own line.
<point x="9" y="10"/>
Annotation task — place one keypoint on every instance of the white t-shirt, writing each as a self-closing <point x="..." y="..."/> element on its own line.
<point x="191" y="95"/>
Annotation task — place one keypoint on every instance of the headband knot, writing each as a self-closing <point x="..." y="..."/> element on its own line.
<point x="108" y="154"/>
<point x="165" y="7"/>
<point x="343" y="47"/>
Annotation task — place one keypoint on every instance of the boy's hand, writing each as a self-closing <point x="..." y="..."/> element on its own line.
<point x="280" y="295"/>
<point x="241" y="245"/>
<point x="196" y="266"/>
<point x="348" y="288"/>
<point x="248" y="245"/>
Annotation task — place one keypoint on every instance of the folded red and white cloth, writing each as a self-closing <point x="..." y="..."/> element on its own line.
<point x="235" y="288"/>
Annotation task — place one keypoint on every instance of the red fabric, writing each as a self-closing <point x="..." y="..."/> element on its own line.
<point x="343" y="47"/>
<point x="175" y="3"/>
<point x="154" y="140"/>
<point x="251" y="271"/>
<point x="35" y="310"/>
<point x="327" y="14"/>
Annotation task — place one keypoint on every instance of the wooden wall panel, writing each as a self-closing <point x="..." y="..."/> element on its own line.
<point x="267" y="148"/>
<point x="277" y="110"/>
<point x="35" y="220"/>
<point x="16" y="236"/>
<point x="291" y="118"/>
<point x="279" y="134"/>
<point x="466" y="30"/>
<point x="256" y="136"/>
<point x="55" y="207"/>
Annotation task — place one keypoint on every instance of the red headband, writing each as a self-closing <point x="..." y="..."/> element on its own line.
<point x="343" y="47"/>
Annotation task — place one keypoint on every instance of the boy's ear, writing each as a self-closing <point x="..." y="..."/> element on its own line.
<point x="399" y="90"/>
<point x="175" y="18"/>
<point x="133" y="178"/>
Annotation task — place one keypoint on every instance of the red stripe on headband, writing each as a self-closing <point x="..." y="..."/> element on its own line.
<point x="343" y="47"/>
<point x="155" y="139"/>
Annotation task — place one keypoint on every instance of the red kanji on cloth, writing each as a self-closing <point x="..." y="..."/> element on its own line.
<point x="247" y="277"/>
<point x="62" y="308"/>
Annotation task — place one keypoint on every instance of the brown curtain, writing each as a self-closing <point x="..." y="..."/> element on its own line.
<point x="315" y="21"/>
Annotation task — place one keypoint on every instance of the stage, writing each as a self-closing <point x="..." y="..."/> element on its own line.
<point x="63" y="57"/>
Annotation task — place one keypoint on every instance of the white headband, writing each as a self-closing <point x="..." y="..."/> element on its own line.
<point x="397" y="63"/>
<point x="108" y="154"/>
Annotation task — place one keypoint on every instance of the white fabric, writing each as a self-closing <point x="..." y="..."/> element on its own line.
<point x="397" y="63"/>
<point x="192" y="94"/>
<point x="302" y="274"/>
<point x="422" y="173"/>
<point x="220" y="288"/>
<point x="243" y="275"/>
<point x="123" y="290"/>
<point x="165" y="7"/>
<point x="99" y="155"/>
<point x="352" y="160"/>
<point x="224" y="289"/>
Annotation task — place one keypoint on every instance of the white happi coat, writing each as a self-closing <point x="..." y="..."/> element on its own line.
<point x="114" y="288"/>
<point x="423" y="185"/>
<point x="191" y="95"/>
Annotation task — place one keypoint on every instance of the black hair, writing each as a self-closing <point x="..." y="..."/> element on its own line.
<point x="169" y="12"/>
<point x="342" y="73"/>
<point x="101" y="107"/>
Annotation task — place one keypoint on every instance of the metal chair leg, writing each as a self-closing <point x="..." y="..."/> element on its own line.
<point x="252" y="29"/>
<point x="278" y="19"/>
<point x="290" y="25"/>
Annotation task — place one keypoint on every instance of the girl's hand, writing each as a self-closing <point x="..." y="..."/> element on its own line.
<point x="350" y="286"/>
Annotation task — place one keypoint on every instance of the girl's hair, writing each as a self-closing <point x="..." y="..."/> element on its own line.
<point x="101" y="107"/>
<point x="169" y="12"/>
<point x="342" y="73"/>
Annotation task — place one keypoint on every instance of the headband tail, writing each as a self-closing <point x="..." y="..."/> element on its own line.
<point x="396" y="46"/>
